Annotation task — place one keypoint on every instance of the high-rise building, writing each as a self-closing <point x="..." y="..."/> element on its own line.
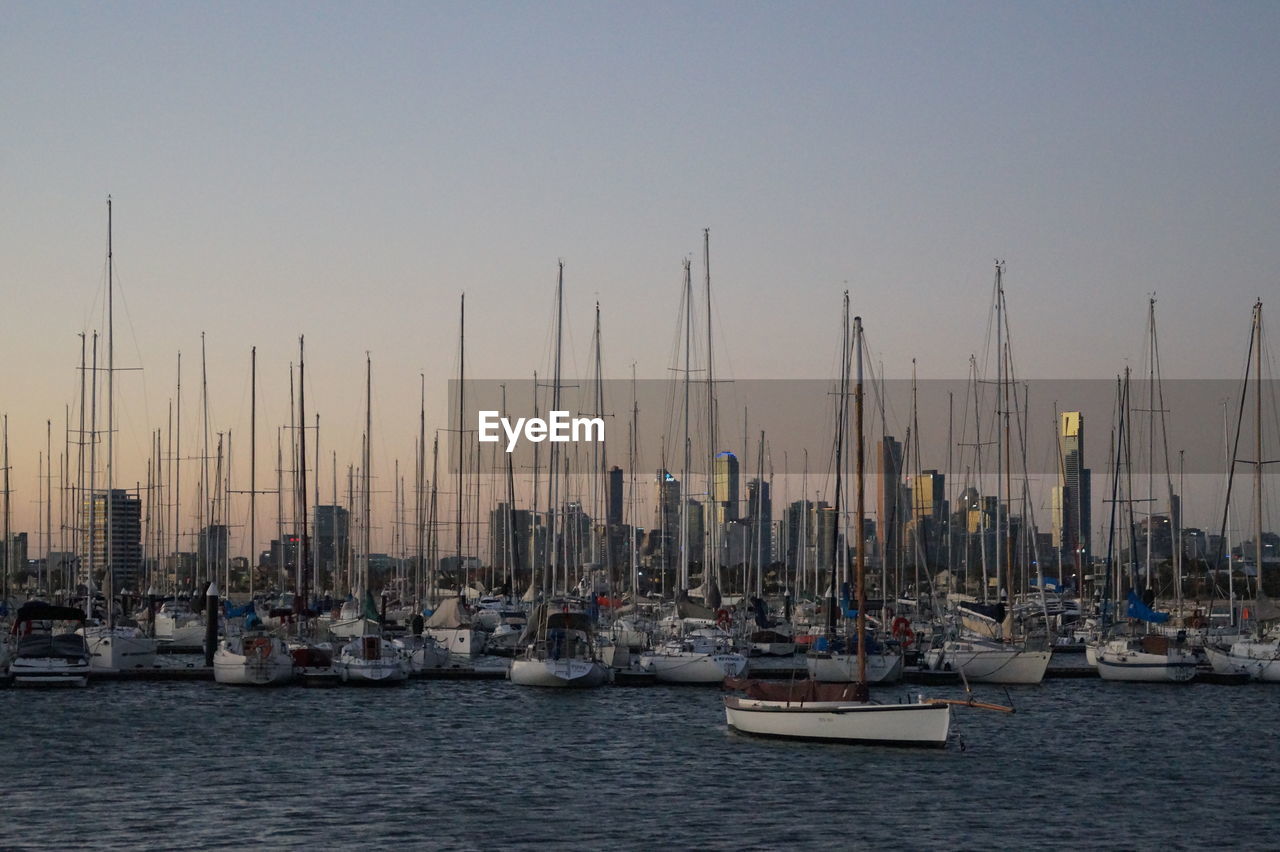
<point x="333" y="530"/>
<point x="726" y="488"/>
<point x="509" y="543"/>
<point x="666" y="520"/>
<point x="122" y="537"/>
<point x="613" y="516"/>
<point x="890" y="504"/>
<point x="928" y="517"/>
<point x="760" y="516"/>
<point x="1071" y="498"/>
<point x="212" y="546"/>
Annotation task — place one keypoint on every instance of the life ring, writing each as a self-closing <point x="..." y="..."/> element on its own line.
<point x="724" y="619"/>
<point x="564" y="609"/>
<point x="902" y="631"/>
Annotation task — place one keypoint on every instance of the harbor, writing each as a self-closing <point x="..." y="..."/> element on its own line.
<point x="664" y="426"/>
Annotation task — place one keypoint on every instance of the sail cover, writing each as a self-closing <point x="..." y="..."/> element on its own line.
<point x="1137" y="609"/>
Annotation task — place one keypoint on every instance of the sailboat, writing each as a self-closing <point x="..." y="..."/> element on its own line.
<point x="995" y="658"/>
<point x="1259" y="656"/>
<point x="1133" y="657"/>
<point x="706" y="653"/>
<point x="809" y="710"/>
<point x="253" y="658"/>
<point x="560" y="649"/>
<point x="112" y="647"/>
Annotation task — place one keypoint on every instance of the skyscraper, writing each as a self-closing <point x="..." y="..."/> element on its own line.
<point x="726" y="488"/>
<point x="122" y="536"/>
<point x="613" y="516"/>
<point x="1071" y="498"/>
<point x="889" y="501"/>
<point x="666" y="519"/>
<point x="760" y="516"/>
<point x="332" y="525"/>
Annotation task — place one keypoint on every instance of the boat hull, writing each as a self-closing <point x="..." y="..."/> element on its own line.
<point x="1155" y="670"/>
<point x="237" y="670"/>
<point x="115" y="652"/>
<point x="1259" y="660"/>
<point x="915" y="725"/>
<point x="995" y="663"/>
<point x="572" y="674"/>
<point x="843" y="668"/>
<point x="39" y="672"/>
<point x="459" y="641"/>
<point x="371" y="672"/>
<point x="693" y="668"/>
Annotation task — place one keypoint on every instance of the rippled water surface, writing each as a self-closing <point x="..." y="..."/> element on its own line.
<point x="450" y="764"/>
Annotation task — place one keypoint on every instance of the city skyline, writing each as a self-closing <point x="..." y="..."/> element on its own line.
<point x="347" y="176"/>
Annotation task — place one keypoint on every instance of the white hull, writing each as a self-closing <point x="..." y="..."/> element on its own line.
<point x="1259" y="660"/>
<point x="352" y="627"/>
<point x="371" y="660"/>
<point x="459" y="641"/>
<point x="119" y="650"/>
<point x="992" y="662"/>
<point x="1119" y="661"/>
<point x="693" y="667"/>
<point x="252" y="661"/>
<point x="422" y="654"/>
<point x="42" y="660"/>
<point x="48" y="672"/>
<point x="843" y="668"/>
<point x="850" y="722"/>
<point x="238" y="670"/>
<point x="370" y="671"/>
<point x="187" y="632"/>
<point x="558" y="673"/>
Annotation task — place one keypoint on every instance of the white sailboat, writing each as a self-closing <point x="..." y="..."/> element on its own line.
<point x="1145" y="659"/>
<point x="370" y="660"/>
<point x="703" y="656"/>
<point x="983" y="660"/>
<point x="119" y="648"/>
<point x="560" y="651"/>
<point x="255" y="658"/>
<point x="882" y="666"/>
<point x="1259" y="656"/>
<point x="848" y="716"/>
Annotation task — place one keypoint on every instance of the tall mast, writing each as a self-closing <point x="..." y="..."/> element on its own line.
<point x="684" y="474"/>
<point x="462" y="350"/>
<point x="1258" y="462"/>
<point x="841" y="412"/>
<point x="204" y="481"/>
<point x="419" y="511"/>
<point x="1002" y="410"/>
<point x="175" y="459"/>
<point x="1151" y="434"/>
<point x="93" y="480"/>
<point x="631" y="465"/>
<point x="860" y="563"/>
<point x="8" y="542"/>
<point x="303" y="562"/>
<point x="110" y="543"/>
<point x="368" y="461"/>
<point x="710" y="559"/>
<point x="253" y="466"/>
<point x="433" y="541"/>
<point x="553" y="478"/>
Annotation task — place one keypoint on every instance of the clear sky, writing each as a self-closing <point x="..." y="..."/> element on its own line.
<point x="345" y="170"/>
